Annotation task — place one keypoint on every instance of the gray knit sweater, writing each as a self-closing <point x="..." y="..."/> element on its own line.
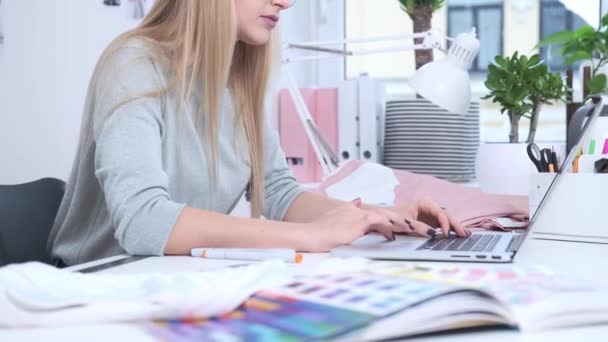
<point x="128" y="187"/>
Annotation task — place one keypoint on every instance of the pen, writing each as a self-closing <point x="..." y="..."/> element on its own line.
<point x="554" y="160"/>
<point x="255" y="254"/>
<point x="605" y="149"/>
<point x="592" y="146"/>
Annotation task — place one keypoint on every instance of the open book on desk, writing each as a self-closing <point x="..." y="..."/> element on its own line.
<point x="388" y="300"/>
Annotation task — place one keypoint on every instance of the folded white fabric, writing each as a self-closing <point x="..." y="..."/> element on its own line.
<point x="38" y="295"/>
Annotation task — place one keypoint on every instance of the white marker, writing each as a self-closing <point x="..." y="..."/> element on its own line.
<point x="256" y="254"/>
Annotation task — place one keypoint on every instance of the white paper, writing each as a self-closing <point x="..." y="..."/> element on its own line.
<point x="510" y="223"/>
<point x="38" y="295"/>
<point x="374" y="183"/>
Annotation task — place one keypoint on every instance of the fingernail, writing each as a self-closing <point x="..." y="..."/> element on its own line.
<point x="431" y="232"/>
<point x="469" y="232"/>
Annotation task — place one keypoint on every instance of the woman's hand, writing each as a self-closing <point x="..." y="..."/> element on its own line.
<point x="344" y="225"/>
<point x="425" y="215"/>
<point x="347" y="223"/>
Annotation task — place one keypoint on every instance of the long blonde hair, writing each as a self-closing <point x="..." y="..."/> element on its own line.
<point x="200" y="39"/>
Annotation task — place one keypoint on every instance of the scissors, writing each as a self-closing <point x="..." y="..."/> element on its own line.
<point x="537" y="157"/>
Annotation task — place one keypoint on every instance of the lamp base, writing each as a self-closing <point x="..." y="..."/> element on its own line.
<point x="423" y="138"/>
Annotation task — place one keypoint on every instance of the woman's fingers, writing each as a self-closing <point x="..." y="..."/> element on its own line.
<point x="423" y="229"/>
<point x="445" y="220"/>
<point x="400" y="224"/>
<point x="371" y="221"/>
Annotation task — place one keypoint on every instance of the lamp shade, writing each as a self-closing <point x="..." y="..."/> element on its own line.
<point x="444" y="84"/>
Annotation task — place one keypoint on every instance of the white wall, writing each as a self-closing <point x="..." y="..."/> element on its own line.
<point x="50" y="52"/>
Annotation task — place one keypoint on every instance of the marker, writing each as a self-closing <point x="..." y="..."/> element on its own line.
<point x="605" y="149"/>
<point x="575" y="166"/>
<point x="254" y="254"/>
<point x="592" y="146"/>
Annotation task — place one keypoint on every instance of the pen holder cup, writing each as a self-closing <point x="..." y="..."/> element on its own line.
<point x="538" y="185"/>
<point x="575" y="209"/>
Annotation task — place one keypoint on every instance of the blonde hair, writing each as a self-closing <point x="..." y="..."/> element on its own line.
<point x="200" y="39"/>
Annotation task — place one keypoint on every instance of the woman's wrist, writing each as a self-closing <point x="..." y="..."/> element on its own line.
<point x="300" y="236"/>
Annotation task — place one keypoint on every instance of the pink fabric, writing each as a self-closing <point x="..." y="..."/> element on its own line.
<point x="473" y="207"/>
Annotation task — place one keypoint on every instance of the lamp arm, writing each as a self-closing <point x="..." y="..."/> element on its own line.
<point x="432" y="40"/>
<point x="323" y="152"/>
<point x="374" y="39"/>
<point x="336" y="53"/>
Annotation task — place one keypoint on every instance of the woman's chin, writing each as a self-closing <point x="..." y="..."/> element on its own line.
<point x="260" y="37"/>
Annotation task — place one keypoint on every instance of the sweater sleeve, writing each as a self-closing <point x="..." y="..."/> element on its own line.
<point x="128" y="154"/>
<point x="280" y="185"/>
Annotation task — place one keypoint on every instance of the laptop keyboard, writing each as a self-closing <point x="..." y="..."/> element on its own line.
<point x="474" y="243"/>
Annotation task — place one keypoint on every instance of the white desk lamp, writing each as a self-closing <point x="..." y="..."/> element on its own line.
<point x="445" y="82"/>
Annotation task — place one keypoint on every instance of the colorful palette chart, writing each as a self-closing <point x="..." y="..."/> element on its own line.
<point x="512" y="285"/>
<point x="372" y="294"/>
<point x="266" y="317"/>
<point x="308" y="309"/>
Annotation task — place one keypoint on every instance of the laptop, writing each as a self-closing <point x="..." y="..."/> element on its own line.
<point x="486" y="246"/>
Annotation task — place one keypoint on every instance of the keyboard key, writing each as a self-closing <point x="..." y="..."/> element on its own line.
<point x="493" y="243"/>
<point x="483" y="242"/>
<point x="429" y="244"/>
<point x="514" y="243"/>
<point x="456" y="244"/>
<point x="471" y="241"/>
<point x="443" y="244"/>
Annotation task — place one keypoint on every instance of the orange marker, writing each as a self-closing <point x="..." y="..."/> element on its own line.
<point x="254" y="254"/>
<point x="576" y="161"/>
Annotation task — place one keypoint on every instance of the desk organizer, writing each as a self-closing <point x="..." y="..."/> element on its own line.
<point x="574" y="211"/>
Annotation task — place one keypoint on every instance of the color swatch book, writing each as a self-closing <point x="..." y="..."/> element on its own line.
<point x="389" y="300"/>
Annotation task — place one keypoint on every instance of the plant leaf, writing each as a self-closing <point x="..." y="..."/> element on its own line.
<point x="597" y="84"/>
<point x="557" y="38"/>
<point x="605" y="20"/>
<point x="585" y="31"/>
<point x="578" y="56"/>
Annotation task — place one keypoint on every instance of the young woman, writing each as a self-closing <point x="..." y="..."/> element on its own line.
<point x="173" y="134"/>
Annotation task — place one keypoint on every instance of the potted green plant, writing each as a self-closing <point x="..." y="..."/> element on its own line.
<point x="589" y="46"/>
<point x="422" y="137"/>
<point x="520" y="85"/>
<point x="585" y="44"/>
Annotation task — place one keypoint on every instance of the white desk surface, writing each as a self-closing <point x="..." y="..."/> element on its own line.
<point x="574" y="260"/>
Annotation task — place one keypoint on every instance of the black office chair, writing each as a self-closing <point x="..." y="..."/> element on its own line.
<point x="27" y="212"/>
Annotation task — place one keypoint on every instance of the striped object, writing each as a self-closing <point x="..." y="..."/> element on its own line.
<point x="423" y="138"/>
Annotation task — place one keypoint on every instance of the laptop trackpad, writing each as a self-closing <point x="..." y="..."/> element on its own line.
<point x="376" y="245"/>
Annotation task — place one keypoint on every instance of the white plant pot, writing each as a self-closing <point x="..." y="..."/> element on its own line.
<point x="503" y="168"/>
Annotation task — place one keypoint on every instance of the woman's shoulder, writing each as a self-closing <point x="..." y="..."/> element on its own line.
<point x="137" y="62"/>
<point x="134" y="49"/>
